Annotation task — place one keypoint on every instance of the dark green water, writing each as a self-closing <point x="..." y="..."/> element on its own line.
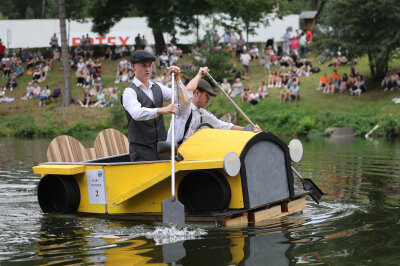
<point x="356" y="224"/>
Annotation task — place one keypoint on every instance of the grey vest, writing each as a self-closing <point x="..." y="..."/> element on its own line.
<point x="147" y="132"/>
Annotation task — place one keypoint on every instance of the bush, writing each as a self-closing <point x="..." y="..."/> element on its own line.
<point x="305" y="125"/>
<point x="78" y="130"/>
<point x="22" y="126"/>
<point x="389" y="126"/>
<point x="118" y="117"/>
<point x="50" y="130"/>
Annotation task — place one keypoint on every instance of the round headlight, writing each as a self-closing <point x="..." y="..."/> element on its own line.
<point x="231" y="164"/>
<point x="295" y="150"/>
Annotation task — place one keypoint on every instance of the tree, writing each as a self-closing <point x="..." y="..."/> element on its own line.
<point x="64" y="55"/>
<point x="248" y="14"/>
<point x="372" y="30"/>
<point x="162" y="16"/>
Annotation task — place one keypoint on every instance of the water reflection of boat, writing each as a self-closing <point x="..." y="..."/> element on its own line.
<point x="224" y="176"/>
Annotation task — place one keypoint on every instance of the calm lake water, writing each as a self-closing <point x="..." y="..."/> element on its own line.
<point x="356" y="224"/>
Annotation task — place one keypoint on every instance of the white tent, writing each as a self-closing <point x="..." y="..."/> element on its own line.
<point x="37" y="32"/>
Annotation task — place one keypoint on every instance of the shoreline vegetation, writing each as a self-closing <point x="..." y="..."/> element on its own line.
<point x="313" y="114"/>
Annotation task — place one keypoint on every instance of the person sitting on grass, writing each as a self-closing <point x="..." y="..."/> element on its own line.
<point x="294" y="92"/>
<point x="29" y="93"/>
<point x="2" y="93"/>
<point x="254" y="53"/>
<point x="87" y="78"/>
<point x="334" y="82"/>
<point x="101" y="99"/>
<point x="86" y="99"/>
<point x="37" y="74"/>
<point x="35" y="91"/>
<point x="245" y="94"/>
<point x="386" y="82"/>
<point x="308" y="67"/>
<point x="344" y="83"/>
<point x="254" y="97"/>
<point x="12" y="82"/>
<point x="283" y="94"/>
<point x="43" y="73"/>
<point x="6" y="70"/>
<point x="98" y="85"/>
<point x="262" y="90"/>
<point x="323" y="82"/>
<point x="394" y="79"/>
<point x="359" y="86"/>
<point x="44" y="95"/>
<point x="300" y="68"/>
<point x="226" y="86"/>
<point x="19" y="71"/>
<point x="80" y="78"/>
<point x="285" y="61"/>
<point x="271" y="79"/>
<point x="237" y="88"/>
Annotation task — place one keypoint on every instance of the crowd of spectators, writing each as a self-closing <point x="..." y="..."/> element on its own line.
<point x="285" y="62"/>
<point x="391" y="81"/>
<point x="354" y="83"/>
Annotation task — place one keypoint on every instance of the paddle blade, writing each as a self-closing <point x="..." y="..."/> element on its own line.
<point x="173" y="212"/>
<point x="313" y="189"/>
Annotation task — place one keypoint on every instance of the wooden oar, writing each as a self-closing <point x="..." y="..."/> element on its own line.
<point x="173" y="212"/>
<point x="230" y="99"/>
<point x="308" y="184"/>
<point x="311" y="187"/>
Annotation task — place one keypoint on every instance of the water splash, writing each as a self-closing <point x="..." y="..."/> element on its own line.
<point x="171" y="234"/>
<point x="163" y="234"/>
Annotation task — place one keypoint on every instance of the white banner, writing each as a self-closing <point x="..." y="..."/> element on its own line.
<point x="115" y="38"/>
<point x="37" y="32"/>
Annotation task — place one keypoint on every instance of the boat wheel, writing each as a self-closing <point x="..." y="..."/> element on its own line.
<point x="58" y="194"/>
<point x="204" y="190"/>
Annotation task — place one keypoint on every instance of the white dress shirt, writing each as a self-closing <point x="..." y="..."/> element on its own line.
<point x="183" y="114"/>
<point x="134" y="107"/>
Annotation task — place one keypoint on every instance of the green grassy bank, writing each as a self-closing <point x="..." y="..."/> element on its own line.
<point x="312" y="114"/>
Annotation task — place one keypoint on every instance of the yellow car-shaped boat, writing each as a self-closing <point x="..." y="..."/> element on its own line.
<point x="225" y="176"/>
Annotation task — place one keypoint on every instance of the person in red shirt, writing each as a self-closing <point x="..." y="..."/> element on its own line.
<point x="309" y="36"/>
<point x="2" y="50"/>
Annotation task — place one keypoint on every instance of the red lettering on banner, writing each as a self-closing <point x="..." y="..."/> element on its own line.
<point x="75" y="41"/>
<point x="91" y="40"/>
<point x="100" y="39"/>
<point x="109" y="40"/>
<point x="124" y="41"/>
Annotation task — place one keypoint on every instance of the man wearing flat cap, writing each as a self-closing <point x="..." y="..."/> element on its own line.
<point x="198" y="93"/>
<point x="143" y="104"/>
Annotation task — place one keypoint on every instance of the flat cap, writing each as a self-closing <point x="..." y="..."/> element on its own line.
<point x="141" y="56"/>
<point x="204" y="85"/>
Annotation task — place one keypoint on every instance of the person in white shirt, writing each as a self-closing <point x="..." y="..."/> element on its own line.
<point x="253" y="97"/>
<point x="80" y="65"/>
<point x="237" y="88"/>
<point x="191" y="113"/>
<point x="254" y="53"/>
<point x="226" y="86"/>
<point x="143" y="104"/>
<point x="123" y="63"/>
<point x="245" y="59"/>
<point x="148" y="49"/>
<point x="171" y="49"/>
